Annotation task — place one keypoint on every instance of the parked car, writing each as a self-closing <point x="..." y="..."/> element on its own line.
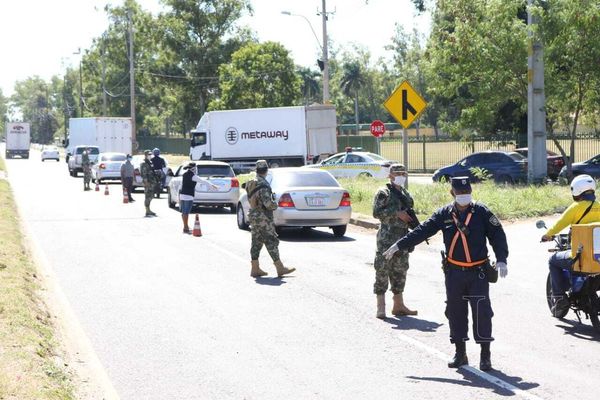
<point x="351" y="164"/>
<point x="555" y="162"/>
<point x="306" y="198"/>
<point x="504" y="166"/>
<point x="50" y="153"/>
<point x="74" y="162"/>
<point x="108" y="167"/>
<point x="590" y="167"/>
<point x="137" y="181"/>
<point x="216" y="172"/>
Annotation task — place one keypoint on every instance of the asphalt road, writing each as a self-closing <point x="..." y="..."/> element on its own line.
<point x="178" y="317"/>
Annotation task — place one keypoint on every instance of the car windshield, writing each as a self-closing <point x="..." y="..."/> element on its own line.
<point x="113" y="157"/>
<point x="94" y="150"/>
<point x="375" y="157"/>
<point x="304" y="178"/>
<point x="516" y="156"/>
<point x="215" y="171"/>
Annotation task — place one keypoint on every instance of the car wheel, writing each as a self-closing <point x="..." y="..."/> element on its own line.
<point x="241" y="219"/>
<point x="232" y="208"/>
<point x="505" y="179"/>
<point x="339" y="231"/>
<point x="446" y="178"/>
<point x="43" y="160"/>
<point x="170" y="201"/>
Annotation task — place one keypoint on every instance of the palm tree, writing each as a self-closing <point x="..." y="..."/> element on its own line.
<point x="352" y="81"/>
<point x="310" y="84"/>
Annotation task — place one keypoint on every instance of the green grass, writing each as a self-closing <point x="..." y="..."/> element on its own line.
<point x="27" y="343"/>
<point x="507" y="202"/>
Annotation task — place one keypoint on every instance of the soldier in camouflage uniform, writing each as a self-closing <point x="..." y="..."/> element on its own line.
<point x="87" y="169"/>
<point x="262" y="205"/>
<point x="150" y="180"/>
<point x="389" y="206"/>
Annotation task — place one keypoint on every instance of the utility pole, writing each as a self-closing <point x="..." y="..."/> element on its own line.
<point x="65" y="106"/>
<point x="537" y="167"/>
<point x="80" y="84"/>
<point x="104" y="104"/>
<point x="131" y="81"/>
<point x="325" y="56"/>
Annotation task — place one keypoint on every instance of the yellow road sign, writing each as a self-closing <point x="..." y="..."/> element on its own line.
<point x="405" y="104"/>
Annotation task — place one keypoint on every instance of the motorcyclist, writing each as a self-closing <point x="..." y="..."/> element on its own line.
<point x="584" y="210"/>
<point x="158" y="166"/>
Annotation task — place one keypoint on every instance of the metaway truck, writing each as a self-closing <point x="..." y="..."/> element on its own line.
<point x="18" y="139"/>
<point x="284" y="136"/>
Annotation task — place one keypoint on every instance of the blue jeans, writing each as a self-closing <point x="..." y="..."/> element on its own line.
<point x="186" y="206"/>
<point x="558" y="262"/>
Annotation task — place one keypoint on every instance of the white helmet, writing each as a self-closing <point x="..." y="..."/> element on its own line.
<point x="581" y="184"/>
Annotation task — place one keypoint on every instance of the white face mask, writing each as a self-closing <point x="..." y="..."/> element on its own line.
<point x="399" y="180"/>
<point x="463" y="199"/>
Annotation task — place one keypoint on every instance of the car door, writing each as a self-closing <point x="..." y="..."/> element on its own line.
<point x="355" y="165"/>
<point x="175" y="184"/>
<point x="334" y="165"/>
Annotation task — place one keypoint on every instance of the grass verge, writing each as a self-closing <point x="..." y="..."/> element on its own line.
<point x="507" y="202"/>
<point x="29" y="366"/>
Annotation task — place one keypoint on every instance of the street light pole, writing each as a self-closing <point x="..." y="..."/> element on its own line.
<point x="325" y="57"/>
<point x="80" y="84"/>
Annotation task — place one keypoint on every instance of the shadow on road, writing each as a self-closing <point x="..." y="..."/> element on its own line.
<point x="472" y="380"/>
<point x="579" y="330"/>
<point x="310" y="235"/>
<point x="275" y="281"/>
<point x="411" y="323"/>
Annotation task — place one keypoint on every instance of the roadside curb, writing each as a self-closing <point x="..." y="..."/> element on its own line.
<point x="364" y="221"/>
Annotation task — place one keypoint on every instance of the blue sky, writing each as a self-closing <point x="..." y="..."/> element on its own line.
<point x="39" y="37"/>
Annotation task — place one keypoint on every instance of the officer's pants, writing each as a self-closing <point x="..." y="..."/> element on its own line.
<point x="558" y="262"/>
<point x="464" y="287"/>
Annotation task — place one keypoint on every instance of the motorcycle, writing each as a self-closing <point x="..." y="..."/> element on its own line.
<point x="583" y="295"/>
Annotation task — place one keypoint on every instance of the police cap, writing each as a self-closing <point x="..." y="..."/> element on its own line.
<point x="461" y="183"/>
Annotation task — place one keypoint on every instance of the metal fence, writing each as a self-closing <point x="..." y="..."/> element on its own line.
<point x="426" y="154"/>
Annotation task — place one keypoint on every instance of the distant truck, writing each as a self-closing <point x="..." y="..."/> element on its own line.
<point x="108" y="134"/>
<point x="284" y="136"/>
<point x="18" y="139"/>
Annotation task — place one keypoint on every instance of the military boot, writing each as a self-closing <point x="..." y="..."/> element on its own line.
<point x="281" y="270"/>
<point x="399" y="308"/>
<point x="256" y="272"/>
<point x="460" y="357"/>
<point x="149" y="213"/>
<point x="380" y="306"/>
<point x="485" y="360"/>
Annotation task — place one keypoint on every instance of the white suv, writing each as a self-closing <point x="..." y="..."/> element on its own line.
<point x="74" y="162"/>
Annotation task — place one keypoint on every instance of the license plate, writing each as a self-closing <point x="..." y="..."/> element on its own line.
<point x="316" y="201"/>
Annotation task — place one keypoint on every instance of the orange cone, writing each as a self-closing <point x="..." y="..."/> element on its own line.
<point x="125" y="196"/>
<point x="97" y="186"/>
<point x="197" y="231"/>
<point x="106" y="190"/>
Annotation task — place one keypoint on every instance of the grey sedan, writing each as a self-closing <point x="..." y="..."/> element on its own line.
<point x="305" y="198"/>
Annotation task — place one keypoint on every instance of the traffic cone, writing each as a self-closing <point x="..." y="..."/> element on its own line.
<point x="97" y="186"/>
<point x="106" y="190"/>
<point x="125" y="196"/>
<point x="197" y="231"/>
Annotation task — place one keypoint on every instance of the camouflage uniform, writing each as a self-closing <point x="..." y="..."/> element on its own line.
<point x="261" y="218"/>
<point x="386" y="205"/>
<point x="87" y="170"/>
<point x="149" y="178"/>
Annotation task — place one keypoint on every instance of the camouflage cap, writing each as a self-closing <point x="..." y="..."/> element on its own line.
<point x="397" y="168"/>
<point x="147" y="152"/>
<point x="262" y="164"/>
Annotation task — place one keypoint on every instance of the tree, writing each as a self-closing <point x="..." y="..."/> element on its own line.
<point x="259" y="75"/>
<point x="3" y="111"/>
<point x="311" y="85"/>
<point x="33" y="98"/>
<point x="352" y="81"/>
<point x="569" y="30"/>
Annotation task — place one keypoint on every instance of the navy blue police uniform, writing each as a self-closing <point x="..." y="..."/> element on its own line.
<point x="465" y="235"/>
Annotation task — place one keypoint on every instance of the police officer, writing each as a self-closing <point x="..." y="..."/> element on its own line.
<point x="389" y="206"/>
<point x="262" y="205"/>
<point x="158" y="165"/>
<point x="150" y="179"/>
<point x="465" y="225"/>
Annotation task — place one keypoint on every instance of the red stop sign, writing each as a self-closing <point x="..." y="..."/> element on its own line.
<point x="377" y="128"/>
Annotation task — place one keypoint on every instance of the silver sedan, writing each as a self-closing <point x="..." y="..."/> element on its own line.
<point x="305" y="198"/>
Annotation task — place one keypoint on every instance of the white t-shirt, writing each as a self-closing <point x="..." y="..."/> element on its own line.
<point x="187" y="197"/>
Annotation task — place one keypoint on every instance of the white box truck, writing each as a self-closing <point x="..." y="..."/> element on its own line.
<point x="109" y="134"/>
<point x="18" y="139"/>
<point x="284" y="136"/>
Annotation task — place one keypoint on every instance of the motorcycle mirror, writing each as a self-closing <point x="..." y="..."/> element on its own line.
<point x="540" y="225"/>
